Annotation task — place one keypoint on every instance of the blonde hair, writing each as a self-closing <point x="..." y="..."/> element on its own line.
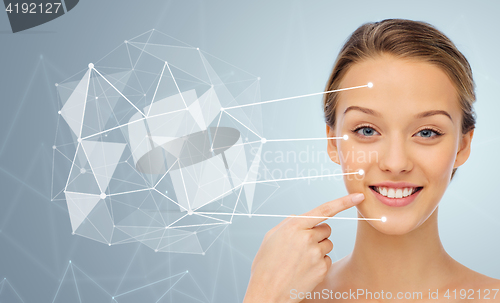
<point x="409" y="40"/>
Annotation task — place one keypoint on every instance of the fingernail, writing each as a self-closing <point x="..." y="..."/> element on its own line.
<point x="358" y="198"/>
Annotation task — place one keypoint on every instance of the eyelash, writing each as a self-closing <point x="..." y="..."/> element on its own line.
<point x="436" y="131"/>
<point x="359" y="127"/>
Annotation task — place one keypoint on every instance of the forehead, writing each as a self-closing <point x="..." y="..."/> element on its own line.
<point x="401" y="86"/>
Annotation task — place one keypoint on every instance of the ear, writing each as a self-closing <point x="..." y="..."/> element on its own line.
<point x="463" y="149"/>
<point x="332" y="145"/>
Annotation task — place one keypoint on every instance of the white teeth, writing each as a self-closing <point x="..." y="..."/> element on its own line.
<point x="396" y="192"/>
<point x="399" y="193"/>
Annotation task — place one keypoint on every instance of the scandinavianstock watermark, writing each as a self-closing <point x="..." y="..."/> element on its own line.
<point x="365" y="294"/>
<point x="311" y="164"/>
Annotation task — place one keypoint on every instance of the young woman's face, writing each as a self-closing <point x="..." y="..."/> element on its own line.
<point x="405" y="133"/>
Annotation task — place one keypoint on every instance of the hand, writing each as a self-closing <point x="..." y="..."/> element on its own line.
<point x="292" y="255"/>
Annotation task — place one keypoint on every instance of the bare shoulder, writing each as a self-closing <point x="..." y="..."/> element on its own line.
<point x="483" y="289"/>
<point x="476" y="279"/>
<point x="476" y="287"/>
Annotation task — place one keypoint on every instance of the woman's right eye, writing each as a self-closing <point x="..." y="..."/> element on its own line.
<point x="366" y="131"/>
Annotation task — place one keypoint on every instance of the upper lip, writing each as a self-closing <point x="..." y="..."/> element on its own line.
<point x="391" y="184"/>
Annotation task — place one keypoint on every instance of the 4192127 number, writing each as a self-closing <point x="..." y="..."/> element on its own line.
<point x="33" y="8"/>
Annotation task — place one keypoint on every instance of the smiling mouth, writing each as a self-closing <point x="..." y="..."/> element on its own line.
<point x="394" y="193"/>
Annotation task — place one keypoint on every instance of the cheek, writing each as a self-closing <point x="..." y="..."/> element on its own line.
<point x="353" y="157"/>
<point x="436" y="162"/>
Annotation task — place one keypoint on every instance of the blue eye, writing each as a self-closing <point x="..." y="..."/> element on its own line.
<point x="427" y="133"/>
<point x="366" y="131"/>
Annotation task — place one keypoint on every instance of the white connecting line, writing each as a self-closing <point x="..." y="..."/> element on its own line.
<point x="369" y="85"/>
<point x="264" y="140"/>
<point x="383" y="219"/>
<point x="359" y="172"/>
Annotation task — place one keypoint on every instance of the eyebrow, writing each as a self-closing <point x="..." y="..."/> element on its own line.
<point x="432" y="113"/>
<point x="364" y="110"/>
<point x="418" y="116"/>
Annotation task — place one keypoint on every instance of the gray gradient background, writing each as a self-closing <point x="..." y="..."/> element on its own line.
<point x="291" y="45"/>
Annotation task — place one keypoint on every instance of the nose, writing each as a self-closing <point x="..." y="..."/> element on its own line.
<point x="395" y="158"/>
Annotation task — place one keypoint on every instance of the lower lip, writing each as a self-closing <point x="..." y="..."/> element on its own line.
<point x="396" y="202"/>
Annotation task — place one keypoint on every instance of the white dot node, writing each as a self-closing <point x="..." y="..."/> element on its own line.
<point x="109" y="244"/>
<point x="203" y="253"/>
<point x="370" y="85"/>
<point x="79" y="140"/>
<point x="57" y="84"/>
<point x="96" y="98"/>
<point x="83" y="170"/>
<point x="91" y="65"/>
<point x="125" y="41"/>
<point x="156" y="250"/>
<point x="383" y="219"/>
<point x="59" y="112"/>
<point x="258" y="78"/>
<point x="263" y="140"/>
<point x="197" y="48"/>
<point x="212" y="85"/>
<point x="144" y="95"/>
<point x="69" y="261"/>
<point x="102" y="196"/>
<point x="361" y="172"/>
<point x="54" y="147"/>
<point x="222" y="109"/>
<point x="187" y="271"/>
<point x="345" y="137"/>
<point x="190" y="212"/>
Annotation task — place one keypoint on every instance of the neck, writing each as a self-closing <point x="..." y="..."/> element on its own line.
<point x="409" y="261"/>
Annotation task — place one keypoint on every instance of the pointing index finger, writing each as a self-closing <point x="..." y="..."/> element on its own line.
<point x="330" y="209"/>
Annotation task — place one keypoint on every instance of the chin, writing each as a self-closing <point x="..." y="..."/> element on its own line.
<point x="400" y="220"/>
<point x="395" y="224"/>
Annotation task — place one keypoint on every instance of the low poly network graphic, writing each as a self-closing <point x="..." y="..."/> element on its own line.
<point x="163" y="146"/>
<point x="159" y="146"/>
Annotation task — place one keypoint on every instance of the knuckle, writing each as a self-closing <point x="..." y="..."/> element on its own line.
<point x="308" y="237"/>
<point x="325" y="210"/>
<point x="294" y="222"/>
<point x="323" y="269"/>
<point x="330" y="245"/>
<point x="317" y="253"/>
<point x="328" y="262"/>
<point x="329" y="228"/>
